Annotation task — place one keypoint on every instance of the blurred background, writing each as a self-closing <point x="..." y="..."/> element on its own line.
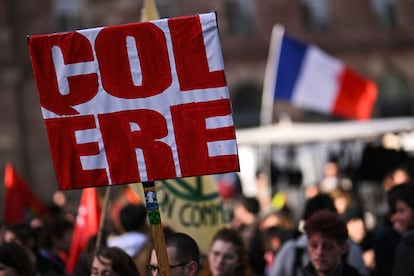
<point x="374" y="37"/>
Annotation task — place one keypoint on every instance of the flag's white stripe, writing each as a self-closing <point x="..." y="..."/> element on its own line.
<point x="318" y="84"/>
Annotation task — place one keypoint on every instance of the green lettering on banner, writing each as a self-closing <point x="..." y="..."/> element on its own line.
<point x="193" y="205"/>
<point x="199" y="215"/>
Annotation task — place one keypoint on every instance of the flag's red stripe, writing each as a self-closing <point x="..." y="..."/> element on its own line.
<point x="356" y="96"/>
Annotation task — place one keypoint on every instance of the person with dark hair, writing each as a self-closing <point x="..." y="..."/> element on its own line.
<point x="246" y="222"/>
<point x="133" y="222"/>
<point x="183" y="256"/>
<point x="24" y="236"/>
<point x="360" y="234"/>
<point x="227" y="255"/>
<point x="245" y="212"/>
<point x="134" y="239"/>
<point x="319" y="202"/>
<point x="293" y="256"/>
<point x="43" y="259"/>
<point x="14" y="260"/>
<point x="327" y="244"/>
<point x="400" y="174"/>
<point x="113" y="261"/>
<point x="55" y="236"/>
<point x="273" y="238"/>
<point x="386" y="237"/>
<point x="403" y="222"/>
<point x="83" y="263"/>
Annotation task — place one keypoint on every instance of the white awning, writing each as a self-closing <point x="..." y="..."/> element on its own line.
<point x="300" y="133"/>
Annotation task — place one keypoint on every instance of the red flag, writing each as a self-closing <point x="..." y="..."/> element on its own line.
<point x="20" y="202"/>
<point x="87" y="225"/>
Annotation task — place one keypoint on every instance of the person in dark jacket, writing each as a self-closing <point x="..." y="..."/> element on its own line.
<point x="403" y="222"/>
<point x="293" y="255"/>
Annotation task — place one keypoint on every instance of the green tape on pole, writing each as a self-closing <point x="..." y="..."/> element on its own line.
<point x="154" y="217"/>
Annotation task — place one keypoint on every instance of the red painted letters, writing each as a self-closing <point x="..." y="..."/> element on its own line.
<point x="130" y="103"/>
<point x="191" y="58"/>
<point x="114" y="64"/>
<point x="190" y="123"/>
<point x="120" y="143"/>
<point x="66" y="156"/>
<point x="75" y="48"/>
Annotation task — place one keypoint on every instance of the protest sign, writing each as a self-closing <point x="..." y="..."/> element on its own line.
<point x="135" y="102"/>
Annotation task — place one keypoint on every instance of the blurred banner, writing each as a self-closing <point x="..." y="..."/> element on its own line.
<point x="192" y="205"/>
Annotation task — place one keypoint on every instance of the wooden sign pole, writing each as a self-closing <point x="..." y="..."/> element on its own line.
<point x="150" y="12"/>
<point x="156" y="227"/>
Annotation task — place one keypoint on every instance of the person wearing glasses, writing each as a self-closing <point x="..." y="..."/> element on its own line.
<point x="183" y="256"/>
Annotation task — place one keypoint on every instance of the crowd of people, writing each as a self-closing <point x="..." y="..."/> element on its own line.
<point x="331" y="237"/>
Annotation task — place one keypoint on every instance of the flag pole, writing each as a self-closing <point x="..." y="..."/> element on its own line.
<point x="269" y="86"/>
<point x="102" y="220"/>
<point x="157" y="231"/>
<point x="149" y="12"/>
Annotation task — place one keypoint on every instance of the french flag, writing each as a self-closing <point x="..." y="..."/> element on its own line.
<point x="309" y="78"/>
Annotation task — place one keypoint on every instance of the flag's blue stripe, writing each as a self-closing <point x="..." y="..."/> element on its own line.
<point x="291" y="56"/>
